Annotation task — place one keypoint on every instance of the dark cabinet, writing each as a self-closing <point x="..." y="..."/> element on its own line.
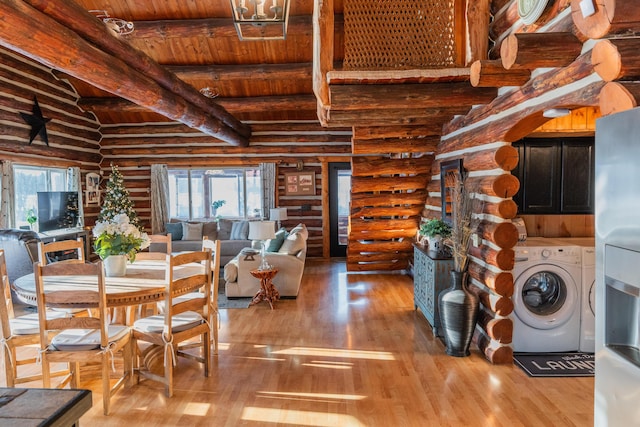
<point x="556" y="176"/>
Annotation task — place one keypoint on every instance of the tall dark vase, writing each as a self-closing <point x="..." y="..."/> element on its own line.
<point x="458" y="314"/>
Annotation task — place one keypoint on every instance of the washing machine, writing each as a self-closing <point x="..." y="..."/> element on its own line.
<point x="588" y="301"/>
<point x="547" y="286"/>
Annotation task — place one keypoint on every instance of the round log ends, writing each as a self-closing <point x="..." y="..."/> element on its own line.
<point x="616" y="97"/>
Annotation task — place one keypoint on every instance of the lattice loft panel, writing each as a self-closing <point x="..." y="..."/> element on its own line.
<point x="397" y="34"/>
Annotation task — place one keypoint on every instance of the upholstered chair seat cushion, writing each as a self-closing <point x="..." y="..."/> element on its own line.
<point x="29" y="325"/>
<point x="86" y="339"/>
<point x="180" y="322"/>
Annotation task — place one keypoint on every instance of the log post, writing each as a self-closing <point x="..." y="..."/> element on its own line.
<point x="503" y="234"/>
<point x="505" y="185"/>
<point x="500" y="305"/>
<point x="495" y="352"/>
<point x="500" y="258"/>
<point x="616" y="59"/>
<point x="491" y="73"/>
<point x="538" y="50"/>
<point x="505" y="209"/>
<point x="505" y="158"/>
<point x="610" y="17"/>
<point x="619" y="96"/>
<point x="497" y="328"/>
<point x="501" y="283"/>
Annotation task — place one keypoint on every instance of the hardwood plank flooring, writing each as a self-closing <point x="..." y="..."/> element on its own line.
<point x="349" y="351"/>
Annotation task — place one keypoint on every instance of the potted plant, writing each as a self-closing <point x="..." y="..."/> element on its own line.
<point x="31" y="217"/>
<point x="458" y="306"/>
<point x="435" y="230"/>
<point x="215" y="205"/>
<point x="116" y="241"/>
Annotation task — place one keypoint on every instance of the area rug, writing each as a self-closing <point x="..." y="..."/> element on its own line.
<point x="224" y="302"/>
<point x="556" y="364"/>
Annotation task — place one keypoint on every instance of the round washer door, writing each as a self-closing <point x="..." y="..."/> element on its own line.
<point x="545" y="297"/>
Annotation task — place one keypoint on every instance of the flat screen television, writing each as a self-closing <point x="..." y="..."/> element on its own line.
<point x="57" y="210"/>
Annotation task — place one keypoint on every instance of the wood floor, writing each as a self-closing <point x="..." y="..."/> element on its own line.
<point x="349" y="351"/>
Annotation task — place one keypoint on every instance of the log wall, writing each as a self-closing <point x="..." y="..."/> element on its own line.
<point x="479" y="137"/>
<point x="74" y="137"/>
<point x="135" y="147"/>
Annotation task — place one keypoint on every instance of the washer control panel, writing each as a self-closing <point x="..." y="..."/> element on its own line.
<point x="566" y="255"/>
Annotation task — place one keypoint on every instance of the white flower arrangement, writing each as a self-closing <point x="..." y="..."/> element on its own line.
<point x="119" y="237"/>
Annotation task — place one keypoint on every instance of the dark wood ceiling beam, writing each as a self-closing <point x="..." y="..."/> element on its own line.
<point x="239" y="105"/>
<point x="71" y="15"/>
<point x="225" y="73"/>
<point x="211" y="27"/>
<point x="399" y="96"/>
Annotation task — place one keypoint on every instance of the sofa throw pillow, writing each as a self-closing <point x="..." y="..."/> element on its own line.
<point x="191" y="231"/>
<point x="210" y="229"/>
<point x="293" y="244"/>
<point x="224" y="229"/>
<point x="175" y="228"/>
<point x="240" y="230"/>
<point x="275" y="243"/>
<point x="302" y="229"/>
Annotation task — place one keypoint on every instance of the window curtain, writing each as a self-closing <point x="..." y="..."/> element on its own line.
<point x="7" y="209"/>
<point x="74" y="183"/>
<point x="159" y="198"/>
<point x="269" y="187"/>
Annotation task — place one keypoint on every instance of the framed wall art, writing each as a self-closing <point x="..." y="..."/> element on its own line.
<point x="300" y="183"/>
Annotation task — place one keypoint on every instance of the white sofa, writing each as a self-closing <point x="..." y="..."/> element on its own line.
<point x="289" y="260"/>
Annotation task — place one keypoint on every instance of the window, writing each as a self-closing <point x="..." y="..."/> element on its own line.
<point x="193" y="191"/>
<point x="27" y="181"/>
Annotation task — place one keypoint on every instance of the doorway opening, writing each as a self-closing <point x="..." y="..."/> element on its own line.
<point x="339" y="207"/>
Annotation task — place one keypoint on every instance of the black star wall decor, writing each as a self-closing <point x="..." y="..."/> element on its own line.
<point x="37" y="123"/>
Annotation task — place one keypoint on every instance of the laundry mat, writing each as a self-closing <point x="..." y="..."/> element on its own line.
<point x="556" y="364"/>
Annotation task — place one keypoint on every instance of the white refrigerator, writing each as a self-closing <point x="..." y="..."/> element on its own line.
<point x="617" y="223"/>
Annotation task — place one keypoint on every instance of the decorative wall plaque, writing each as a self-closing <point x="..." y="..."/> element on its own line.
<point x="531" y="10"/>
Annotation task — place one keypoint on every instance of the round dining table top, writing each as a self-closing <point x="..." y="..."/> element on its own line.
<point x="144" y="281"/>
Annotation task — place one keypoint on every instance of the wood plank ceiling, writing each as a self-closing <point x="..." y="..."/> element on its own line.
<point x="253" y="80"/>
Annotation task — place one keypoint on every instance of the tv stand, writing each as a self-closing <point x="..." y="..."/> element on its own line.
<point x="68" y="234"/>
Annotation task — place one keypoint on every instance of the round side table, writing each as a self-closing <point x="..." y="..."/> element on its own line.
<point x="267" y="291"/>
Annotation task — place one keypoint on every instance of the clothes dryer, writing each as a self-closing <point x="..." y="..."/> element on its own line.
<point x="588" y="301"/>
<point x="547" y="279"/>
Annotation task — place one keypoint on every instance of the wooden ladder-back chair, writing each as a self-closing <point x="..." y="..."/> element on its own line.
<point x="145" y="309"/>
<point x="159" y="238"/>
<point x="81" y="339"/>
<point x="66" y="246"/>
<point x="181" y="321"/>
<point x="18" y="332"/>
<point x="214" y="246"/>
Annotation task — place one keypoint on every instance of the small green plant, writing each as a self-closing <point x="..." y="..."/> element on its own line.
<point x="31" y="216"/>
<point x="217" y="204"/>
<point x="434" y="227"/>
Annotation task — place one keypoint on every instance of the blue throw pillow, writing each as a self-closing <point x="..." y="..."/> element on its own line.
<point x="276" y="243"/>
<point x="175" y="228"/>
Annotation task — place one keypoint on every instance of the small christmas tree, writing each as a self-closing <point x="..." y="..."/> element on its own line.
<point x="117" y="201"/>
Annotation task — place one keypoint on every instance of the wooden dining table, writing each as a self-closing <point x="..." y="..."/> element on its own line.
<point x="144" y="282"/>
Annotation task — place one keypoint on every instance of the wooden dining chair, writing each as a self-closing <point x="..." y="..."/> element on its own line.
<point x="164" y="239"/>
<point x="145" y="310"/>
<point x="81" y="339"/>
<point x="19" y="334"/>
<point x="214" y="315"/>
<point x="181" y="321"/>
<point x="73" y="251"/>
